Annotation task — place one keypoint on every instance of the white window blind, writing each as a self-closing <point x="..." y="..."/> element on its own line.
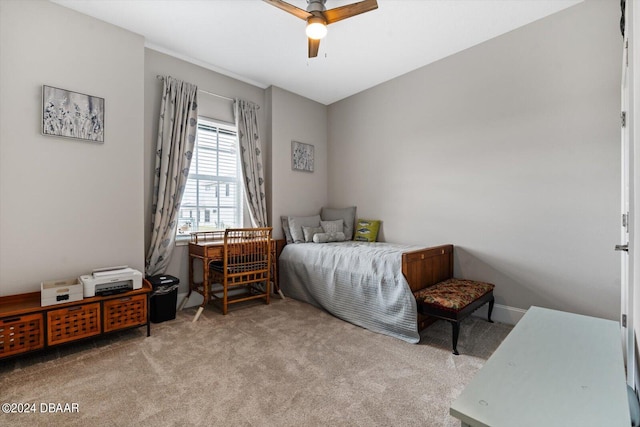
<point x="212" y="199"/>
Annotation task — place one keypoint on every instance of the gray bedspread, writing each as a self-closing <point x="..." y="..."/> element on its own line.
<point x="359" y="282"/>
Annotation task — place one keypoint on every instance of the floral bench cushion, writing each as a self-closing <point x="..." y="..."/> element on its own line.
<point x="453" y="294"/>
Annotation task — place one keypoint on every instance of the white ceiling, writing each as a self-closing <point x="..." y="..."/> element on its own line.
<point x="262" y="45"/>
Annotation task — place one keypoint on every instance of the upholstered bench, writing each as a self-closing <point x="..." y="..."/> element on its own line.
<point x="453" y="300"/>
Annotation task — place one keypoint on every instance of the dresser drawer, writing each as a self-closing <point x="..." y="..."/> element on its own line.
<point x="21" y="333"/>
<point x="125" y="312"/>
<point x="72" y="323"/>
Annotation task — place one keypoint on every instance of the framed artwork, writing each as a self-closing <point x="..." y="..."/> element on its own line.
<point x="301" y="156"/>
<point x="72" y="114"/>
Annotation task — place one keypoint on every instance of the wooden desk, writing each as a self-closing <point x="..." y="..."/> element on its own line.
<point x="553" y="369"/>
<point x="210" y="247"/>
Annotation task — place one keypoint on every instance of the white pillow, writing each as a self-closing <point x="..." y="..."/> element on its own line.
<point x="297" y="222"/>
<point x="337" y="236"/>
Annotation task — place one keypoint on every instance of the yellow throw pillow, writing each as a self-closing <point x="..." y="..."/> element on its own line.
<point x="367" y="230"/>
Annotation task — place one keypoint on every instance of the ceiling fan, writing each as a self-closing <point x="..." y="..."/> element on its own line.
<point x="318" y="17"/>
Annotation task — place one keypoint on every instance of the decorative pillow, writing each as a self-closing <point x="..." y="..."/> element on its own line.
<point x="332" y="226"/>
<point x="367" y="230"/>
<point x="309" y="233"/>
<point x="297" y="222"/>
<point x="337" y="236"/>
<point x="285" y="229"/>
<point x="347" y="215"/>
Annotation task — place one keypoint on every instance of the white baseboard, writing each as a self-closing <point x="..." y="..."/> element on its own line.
<point x="501" y="313"/>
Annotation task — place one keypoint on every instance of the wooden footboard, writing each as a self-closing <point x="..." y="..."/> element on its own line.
<point x="426" y="267"/>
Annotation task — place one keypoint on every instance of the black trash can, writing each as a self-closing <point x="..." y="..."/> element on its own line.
<point x="164" y="297"/>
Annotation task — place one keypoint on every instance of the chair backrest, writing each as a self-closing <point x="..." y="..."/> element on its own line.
<point x="247" y="250"/>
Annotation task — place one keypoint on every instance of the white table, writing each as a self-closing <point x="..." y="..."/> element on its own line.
<point x="553" y="369"/>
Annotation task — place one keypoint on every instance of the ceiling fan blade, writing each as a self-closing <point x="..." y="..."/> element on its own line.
<point x="349" y="10"/>
<point x="314" y="45"/>
<point x="296" y="11"/>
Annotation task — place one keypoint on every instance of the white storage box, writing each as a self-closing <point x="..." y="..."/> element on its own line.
<point x="60" y="291"/>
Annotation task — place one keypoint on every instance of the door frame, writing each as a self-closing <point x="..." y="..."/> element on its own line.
<point x="630" y="178"/>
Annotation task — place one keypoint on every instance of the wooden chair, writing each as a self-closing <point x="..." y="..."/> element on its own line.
<point x="244" y="271"/>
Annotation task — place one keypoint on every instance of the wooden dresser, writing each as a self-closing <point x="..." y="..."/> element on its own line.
<point x="27" y="326"/>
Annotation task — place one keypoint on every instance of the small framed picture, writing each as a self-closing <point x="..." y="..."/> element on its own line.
<point x="72" y="114"/>
<point x="301" y="156"/>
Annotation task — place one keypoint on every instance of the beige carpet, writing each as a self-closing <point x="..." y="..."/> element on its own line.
<point x="285" y="364"/>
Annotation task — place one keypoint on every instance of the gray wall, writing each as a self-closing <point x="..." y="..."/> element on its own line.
<point x="510" y="151"/>
<point x="66" y="206"/>
<point x="294" y="118"/>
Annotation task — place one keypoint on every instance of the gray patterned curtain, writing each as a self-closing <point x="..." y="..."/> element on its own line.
<point x="251" y="158"/>
<point x="176" y="137"/>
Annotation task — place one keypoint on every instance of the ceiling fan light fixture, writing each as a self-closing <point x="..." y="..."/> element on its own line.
<point x="316" y="27"/>
<point x="318" y="17"/>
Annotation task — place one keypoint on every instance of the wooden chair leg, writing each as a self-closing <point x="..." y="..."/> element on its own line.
<point x="268" y="289"/>
<point x="198" y="313"/>
<point x="225" y="296"/>
<point x="456" y="332"/>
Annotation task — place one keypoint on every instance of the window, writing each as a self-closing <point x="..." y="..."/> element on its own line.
<point x="212" y="199"/>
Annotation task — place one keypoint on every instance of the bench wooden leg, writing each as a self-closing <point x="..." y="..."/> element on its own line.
<point x="445" y="311"/>
<point x="456" y="332"/>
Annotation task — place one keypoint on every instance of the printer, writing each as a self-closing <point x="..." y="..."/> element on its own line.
<point x="111" y="280"/>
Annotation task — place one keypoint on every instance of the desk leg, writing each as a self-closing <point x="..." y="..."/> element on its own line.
<point x="206" y="288"/>
<point x="191" y="285"/>
<point x="274" y="272"/>
<point x="149" y="314"/>
<point x="274" y="277"/>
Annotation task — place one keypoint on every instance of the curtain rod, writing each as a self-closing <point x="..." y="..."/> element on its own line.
<point x="204" y="91"/>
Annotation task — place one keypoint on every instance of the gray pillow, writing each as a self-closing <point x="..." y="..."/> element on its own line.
<point x="285" y="229"/>
<point x="309" y="232"/>
<point x="332" y="226"/>
<point x="297" y="222"/>
<point x="348" y="215"/>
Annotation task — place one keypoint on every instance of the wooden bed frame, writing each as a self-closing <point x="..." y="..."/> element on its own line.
<point x="422" y="268"/>
<point x="426" y="267"/>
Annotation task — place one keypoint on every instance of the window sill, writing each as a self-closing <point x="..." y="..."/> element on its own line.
<point x="182" y="240"/>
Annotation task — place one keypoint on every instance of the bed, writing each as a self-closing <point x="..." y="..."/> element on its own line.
<point x="369" y="284"/>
